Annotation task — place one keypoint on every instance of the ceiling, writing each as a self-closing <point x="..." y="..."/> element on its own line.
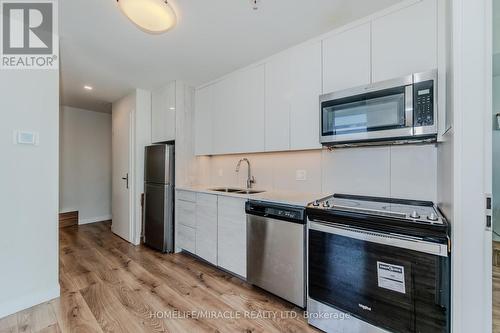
<point x="100" y="47"/>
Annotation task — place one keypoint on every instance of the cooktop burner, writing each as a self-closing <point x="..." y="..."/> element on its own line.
<point x="411" y="210"/>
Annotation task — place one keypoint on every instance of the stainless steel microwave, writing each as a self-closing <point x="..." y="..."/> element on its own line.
<point x="394" y="111"/>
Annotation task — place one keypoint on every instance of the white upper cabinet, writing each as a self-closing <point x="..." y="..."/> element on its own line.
<point x="293" y="86"/>
<point x="239" y="112"/>
<point x="163" y="114"/>
<point x="305" y="79"/>
<point x="278" y="102"/>
<point x="223" y="123"/>
<point x="204" y="107"/>
<point x="347" y="59"/>
<point x="274" y="105"/>
<point x="405" y="41"/>
<point x="250" y="111"/>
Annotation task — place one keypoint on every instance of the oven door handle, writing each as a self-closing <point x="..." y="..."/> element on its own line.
<point x="409" y="243"/>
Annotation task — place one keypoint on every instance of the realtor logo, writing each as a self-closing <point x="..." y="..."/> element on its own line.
<point x="28" y="35"/>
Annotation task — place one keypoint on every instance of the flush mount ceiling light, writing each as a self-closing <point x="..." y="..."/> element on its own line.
<point x="87" y="87"/>
<point x="152" y="16"/>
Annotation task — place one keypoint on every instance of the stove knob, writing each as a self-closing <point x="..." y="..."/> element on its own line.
<point x="326" y="204"/>
<point x="414" y="215"/>
<point x="432" y="217"/>
<point x="316" y="203"/>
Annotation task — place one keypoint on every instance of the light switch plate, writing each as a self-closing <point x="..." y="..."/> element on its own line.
<point x="25" y="138"/>
<point x="300" y="175"/>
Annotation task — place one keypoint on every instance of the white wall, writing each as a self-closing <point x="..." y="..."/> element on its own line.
<point x="471" y="240"/>
<point x="400" y="172"/>
<point x="496" y="160"/>
<point x="85" y="164"/>
<point x="29" y="100"/>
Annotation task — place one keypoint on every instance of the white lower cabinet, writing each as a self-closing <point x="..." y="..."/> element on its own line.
<point x="185" y="221"/>
<point x="206" y="227"/>
<point x="186" y="238"/>
<point x="232" y="235"/>
<point x="186" y="213"/>
<point x="214" y="227"/>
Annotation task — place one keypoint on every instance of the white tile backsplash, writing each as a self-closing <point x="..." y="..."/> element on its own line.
<point x="285" y="166"/>
<point x="362" y="171"/>
<point x="400" y="171"/>
<point x="414" y="172"/>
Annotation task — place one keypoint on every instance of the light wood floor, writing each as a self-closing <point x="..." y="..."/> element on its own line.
<point x="108" y="285"/>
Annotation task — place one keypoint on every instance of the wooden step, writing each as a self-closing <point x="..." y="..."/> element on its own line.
<point x="68" y="219"/>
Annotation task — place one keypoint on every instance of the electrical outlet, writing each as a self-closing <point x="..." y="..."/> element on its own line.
<point x="300" y="175"/>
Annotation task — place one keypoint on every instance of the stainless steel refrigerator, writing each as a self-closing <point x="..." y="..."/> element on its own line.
<point x="159" y="197"/>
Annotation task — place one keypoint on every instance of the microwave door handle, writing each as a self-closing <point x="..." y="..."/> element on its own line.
<point x="409" y="106"/>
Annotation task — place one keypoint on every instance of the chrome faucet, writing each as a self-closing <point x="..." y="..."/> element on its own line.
<point x="250" y="178"/>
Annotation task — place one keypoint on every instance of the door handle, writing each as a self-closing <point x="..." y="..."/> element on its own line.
<point x="126" y="179"/>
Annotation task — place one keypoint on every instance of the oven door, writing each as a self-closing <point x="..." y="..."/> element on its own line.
<point x="391" y="282"/>
<point x="370" y="113"/>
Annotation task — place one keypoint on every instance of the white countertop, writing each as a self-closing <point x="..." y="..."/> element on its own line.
<point x="283" y="197"/>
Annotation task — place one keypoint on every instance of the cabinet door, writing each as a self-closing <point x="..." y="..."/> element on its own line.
<point x="405" y="41"/>
<point x="238" y="122"/>
<point x="232" y="235"/>
<point x="346" y="59"/>
<point x="206" y="227"/>
<point x="186" y="238"/>
<point x="224" y="130"/>
<point x="278" y="98"/>
<point x="204" y="112"/>
<point x="186" y="213"/>
<point x="250" y="111"/>
<point x="163" y="114"/>
<point x="305" y="78"/>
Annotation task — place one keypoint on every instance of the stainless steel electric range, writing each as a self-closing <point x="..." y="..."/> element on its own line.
<point x="378" y="265"/>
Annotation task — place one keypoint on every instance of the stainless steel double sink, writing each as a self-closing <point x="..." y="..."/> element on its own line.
<point x="235" y="190"/>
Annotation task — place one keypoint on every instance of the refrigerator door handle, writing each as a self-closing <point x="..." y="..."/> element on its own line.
<point x="126" y="179"/>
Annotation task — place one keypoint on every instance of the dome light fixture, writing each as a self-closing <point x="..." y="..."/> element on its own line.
<point x="151" y="16"/>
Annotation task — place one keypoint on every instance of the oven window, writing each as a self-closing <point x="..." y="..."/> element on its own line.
<point x="364" y="113"/>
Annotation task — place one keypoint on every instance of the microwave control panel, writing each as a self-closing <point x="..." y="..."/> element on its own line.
<point x="423" y="100"/>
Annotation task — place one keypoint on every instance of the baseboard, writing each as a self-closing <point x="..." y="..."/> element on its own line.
<point x="95" y="219"/>
<point x="27" y="301"/>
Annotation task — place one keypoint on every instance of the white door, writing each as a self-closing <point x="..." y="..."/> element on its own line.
<point x="122" y="179"/>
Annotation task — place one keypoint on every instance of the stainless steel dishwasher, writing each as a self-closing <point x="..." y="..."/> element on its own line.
<point x="276" y="249"/>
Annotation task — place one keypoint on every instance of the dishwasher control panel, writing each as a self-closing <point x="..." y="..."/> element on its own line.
<point x="277" y="211"/>
<point x="291" y="214"/>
